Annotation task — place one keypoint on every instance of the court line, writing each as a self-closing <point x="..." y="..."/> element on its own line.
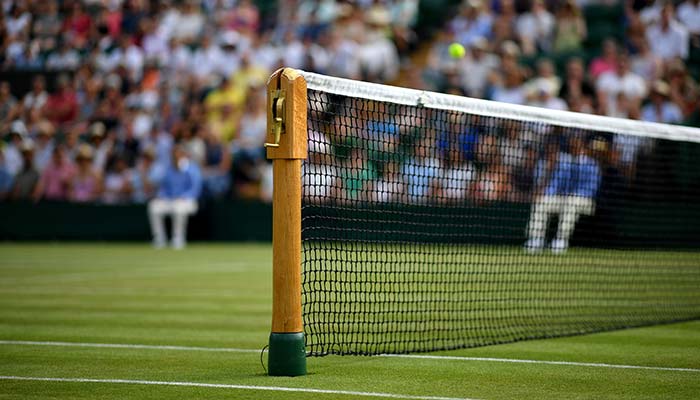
<point x="521" y="361"/>
<point x="128" y="346"/>
<point x="409" y="356"/>
<point x="229" y="386"/>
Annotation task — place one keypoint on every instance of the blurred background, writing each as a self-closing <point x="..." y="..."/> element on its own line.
<point x="95" y="93"/>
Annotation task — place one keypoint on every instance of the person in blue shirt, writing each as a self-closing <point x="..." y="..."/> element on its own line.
<point x="566" y="184"/>
<point x="177" y="195"/>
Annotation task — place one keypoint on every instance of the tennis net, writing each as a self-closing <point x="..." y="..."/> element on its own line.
<point x="435" y="222"/>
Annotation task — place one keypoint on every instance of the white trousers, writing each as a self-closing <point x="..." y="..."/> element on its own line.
<point x="179" y="210"/>
<point x="569" y="209"/>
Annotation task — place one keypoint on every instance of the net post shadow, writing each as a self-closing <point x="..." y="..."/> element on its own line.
<point x="286" y="146"/>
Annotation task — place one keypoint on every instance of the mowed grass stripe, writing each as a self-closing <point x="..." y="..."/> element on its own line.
<point x="405" y="356"/>
<point x="231" y="386"/>
<point x="231" y="309"/>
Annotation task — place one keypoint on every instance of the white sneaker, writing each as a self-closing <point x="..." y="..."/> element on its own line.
<point x="534" y="245"/>
<point x="158" y="244"/>
<point x="559" y="246"/>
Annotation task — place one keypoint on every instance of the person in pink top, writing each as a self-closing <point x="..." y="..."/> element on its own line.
<point x="85" y="186"/>
<point x="606" y="61"/>
<point x="56" y="177"/>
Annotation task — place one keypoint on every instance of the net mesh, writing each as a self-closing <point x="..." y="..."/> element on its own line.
<point x="426" y="229"/>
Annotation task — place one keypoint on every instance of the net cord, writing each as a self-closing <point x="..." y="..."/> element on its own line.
<point x="413" y="97"/>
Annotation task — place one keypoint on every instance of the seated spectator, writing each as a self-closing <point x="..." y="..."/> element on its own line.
<point x="575" y="84"/>
<point x="570" y="29"/>
<point x="668" y="38"/>
<point x="606" y="61"/>
<point x="473" y="22"/>
<point x="535" y="28"/>
<point x="62" y="105"/>
<point x="645" y="63"/>
<point x="320" y="177"/>
<point x="688" y="14"/>
<point x="117" y="181"/>
<point x="145" y="177"/>
<point x="37" y="97"/>
<point x="86" y="183"/>
<point x="55" y="180"/>
<point x="44" y="144"/>
<point x="456" y="176"/>
<point x="27" y="179"/>
<point x="477" y="67"/>
<point x="216" y="166"/>
<point x="389" y="187"/>
<point x="621" y="81"/>
<point x="13" y="157"/>
<point x="510" y="89"/>
<point x="660" y="108"/>
<point x="6" y="180"/>
<point x="7" y="102"/>
<point x="420" y="172"/>
<point x="176" y="197"/>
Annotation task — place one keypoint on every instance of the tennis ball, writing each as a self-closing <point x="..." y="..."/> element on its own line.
<point x="456" y="50"/>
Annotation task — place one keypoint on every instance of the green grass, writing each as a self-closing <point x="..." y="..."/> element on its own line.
<point x="219" y="296"/>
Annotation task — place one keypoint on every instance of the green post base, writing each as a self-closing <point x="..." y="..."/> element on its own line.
<point x="286" y="354"/>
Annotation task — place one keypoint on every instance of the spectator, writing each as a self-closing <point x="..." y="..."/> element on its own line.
<point x="567" y="185"/>
<point x="26" y="180"/>
<point x="55" y="180"/>
<point x="660" y="109"/>
<point x="689" y="15"/>
<point x="65" y="58"/>
<point x="8" y="102"/>
<point x="117" y="181"/>
<point x="473" y="22"/>
<point x="645" y="63"/>
<point x="535" y="28"/>
<point x="145" y="177"/>
<point x="13" y="158"/>
<point x="457" y="174"/>
<point x="511" y="89"/>
<point x="570" y="31"/>
<point x="320" y="177"/>
<point x="216" y="166"/>
<point x="37" y="97"/>
<point x="44" y="145"/>
<point x="575" y="84"/>
<point x="177" y="197"/>
<point x="85" y="184"/>
<point x="477" y="68"/>
<point x="605" y="62"/>
<point x="6" y="180"/>
<point x="420" y="172"/>
<point x="621" y="81"/>
<point x="61" y="108"/>
<point x="668" y="38"/>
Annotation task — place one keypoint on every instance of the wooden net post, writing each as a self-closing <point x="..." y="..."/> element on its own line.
<point x="286" y="147"/>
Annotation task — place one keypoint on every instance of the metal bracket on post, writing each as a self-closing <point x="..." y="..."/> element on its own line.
<point x="277" y="122"/>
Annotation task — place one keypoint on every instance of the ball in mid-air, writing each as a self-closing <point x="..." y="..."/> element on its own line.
<point x="456" y="50"/>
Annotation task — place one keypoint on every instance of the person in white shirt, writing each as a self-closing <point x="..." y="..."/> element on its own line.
<point x="689" y="15"/>
<point x="668" y="38"/>
<point x="535" y="28"/>
<point x="476" y="68"/>
<point x="622" y="80"/>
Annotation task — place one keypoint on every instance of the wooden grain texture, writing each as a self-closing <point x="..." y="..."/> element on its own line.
<point x="286" y="208"/>
<point x="286" y="247"/>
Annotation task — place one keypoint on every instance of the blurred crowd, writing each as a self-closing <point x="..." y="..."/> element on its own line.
<point x="532" y="53"/>
<point x="117" y="83"/>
